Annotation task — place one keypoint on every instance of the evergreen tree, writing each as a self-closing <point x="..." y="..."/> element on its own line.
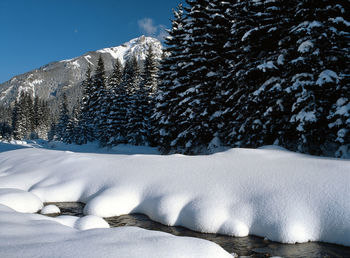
<point x="170" y="85"/>
<point x="71" y="130"/>
<point x="254" y="103"/>
<point x="61" y="128"/>
<point x="5" y="123"/>
<point x="149" y="87"/>
<point x="51" y="134"/>
<point x="23" y="117"/>
<point x="116" y="78"/>
<point x="136" y="128"/>
<point x="318" y="57"/>
<point x="85" y="125"/>
<point x="98" y="106"/>
<point x="256" y="72"/>
<point x="28" y="117"/>
<point x="117" y="120"/>
<point x="15" y="120"/>
<point x="40" y="118"/>
<point x="150" y="73"/>
<point x="37" y="111"/>
<point x="193" y="96"/>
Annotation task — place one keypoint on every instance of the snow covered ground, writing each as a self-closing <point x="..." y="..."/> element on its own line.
<point x="33" y="235"/>
<point x="270" y="192"/>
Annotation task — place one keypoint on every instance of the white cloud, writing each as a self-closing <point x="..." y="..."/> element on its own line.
<point x="149" y="28"/>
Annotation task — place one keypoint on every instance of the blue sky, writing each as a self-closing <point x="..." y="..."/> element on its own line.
<point x="36" y="32"/>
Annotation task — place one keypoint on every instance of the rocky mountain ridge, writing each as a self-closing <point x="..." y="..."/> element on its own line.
<point x="50" y="81"/>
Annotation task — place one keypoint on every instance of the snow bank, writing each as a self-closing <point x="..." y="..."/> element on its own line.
<point x="19" y="200"/>
<point x="281" y="195"/>
<point x="50" y="209"/>
<point x="33" y="235"/>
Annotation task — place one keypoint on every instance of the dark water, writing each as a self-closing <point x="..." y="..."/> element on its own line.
<point x="243" y="246"/>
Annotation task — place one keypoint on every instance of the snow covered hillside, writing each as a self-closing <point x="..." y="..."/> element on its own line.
<point x="51" y="80"/>
<point x="281" y="195"/>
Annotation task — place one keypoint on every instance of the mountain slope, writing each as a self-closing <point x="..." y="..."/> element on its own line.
<point x="49" y="81"/>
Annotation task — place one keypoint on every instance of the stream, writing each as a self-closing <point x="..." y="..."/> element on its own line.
<point x="243" y="246"/>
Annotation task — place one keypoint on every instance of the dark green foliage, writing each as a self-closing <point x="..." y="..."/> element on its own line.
<point x="170" y="83"/>
<point x="61" y="128"/>
<point x="98" y="106"/>
<point x="252" y="73"/>
<point x="84" y="131"/>
<point x="5" y="123"/>
<point x="117" y="100"/>
<point x="23" y="117"/>
<point x="148" y="88"/>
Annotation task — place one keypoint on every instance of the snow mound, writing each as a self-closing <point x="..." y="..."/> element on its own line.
<point x="83" y="223"/>
<point x="34" y="235"/>
<point x="89" y="222"/>
<point x="50" y="209"/>
<point x="278" y="194"/>
<point x="19" y="200"/>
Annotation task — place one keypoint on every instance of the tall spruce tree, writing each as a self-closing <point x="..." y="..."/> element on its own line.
<point x="98" y="106"/>
<point x="171" y="75"/>
<point x="15" y="120"/>
<point x="85" y="124"/>
<point x="318" y="60"/>
<point x="72" y="131"/>
<point x="23" y="117"/>
<point x="5" y="122"/>
<point x="136" y="128"/>
<point x="116" y="122"/>
<point x="61" y="128"/>
<point x="148" y="88"/>
<point x="196" y="78"/>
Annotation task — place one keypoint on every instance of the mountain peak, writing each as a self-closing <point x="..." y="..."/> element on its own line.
<point x="49" y="81"/>
<point x="137" y="46"/>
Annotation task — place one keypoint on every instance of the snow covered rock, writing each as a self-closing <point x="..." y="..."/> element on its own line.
<point x="89" y="222"/>
<point x="50" y="209"/>
<point x="19" y="200"/>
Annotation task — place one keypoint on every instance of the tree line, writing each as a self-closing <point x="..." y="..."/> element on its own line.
<point x="234" y="74"/>
<point x="28" y="119"/>
<point x="114" y="110"/>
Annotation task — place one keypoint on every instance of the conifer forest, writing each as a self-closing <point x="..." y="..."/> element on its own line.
<point x="232" y="74"/>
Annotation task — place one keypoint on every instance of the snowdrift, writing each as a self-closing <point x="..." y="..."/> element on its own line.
<point x="32" y="235"/>
<point x="281" y="195"/>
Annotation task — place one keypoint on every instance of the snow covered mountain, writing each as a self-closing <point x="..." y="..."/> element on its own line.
<point x="49" y="81"/>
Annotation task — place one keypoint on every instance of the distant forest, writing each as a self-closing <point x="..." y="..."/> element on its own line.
<point x="234" y="74"/>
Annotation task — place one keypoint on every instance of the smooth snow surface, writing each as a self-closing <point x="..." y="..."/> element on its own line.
<point x="33" y="235"/>
<point x="281" y="195"/>
<point x="19" y="200"/>
<point x="50" y="209"/>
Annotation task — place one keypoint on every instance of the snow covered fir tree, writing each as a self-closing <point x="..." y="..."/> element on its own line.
<point x="255" y="73"/>
<point x="232" y="74"/>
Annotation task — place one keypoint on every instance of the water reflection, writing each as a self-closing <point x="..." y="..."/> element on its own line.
<point x="243" y="246"/>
